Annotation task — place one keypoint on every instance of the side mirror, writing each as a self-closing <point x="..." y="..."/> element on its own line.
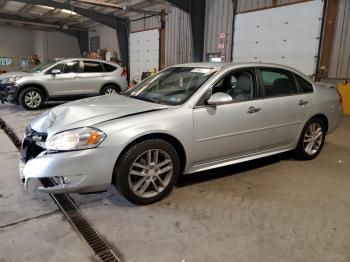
<point x="55" y="71"/>
<point x="219" y="98"/>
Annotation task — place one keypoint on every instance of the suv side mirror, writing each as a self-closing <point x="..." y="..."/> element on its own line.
<point x="56" y="71"/>
<point x="219" y="98"/>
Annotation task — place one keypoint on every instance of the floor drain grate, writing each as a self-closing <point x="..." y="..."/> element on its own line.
<point x="101" y="250"/>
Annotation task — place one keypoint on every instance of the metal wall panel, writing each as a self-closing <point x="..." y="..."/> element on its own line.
<point x="178" y="37"/>
<point x="340" y="59"/>
<point x="218" y="19"/>
<point x="145" y="24"/>
<point x="108" y="38"/>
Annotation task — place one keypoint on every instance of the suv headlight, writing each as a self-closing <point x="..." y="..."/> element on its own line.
<point x="14" y="79"/>
<point x="75" y="139"/>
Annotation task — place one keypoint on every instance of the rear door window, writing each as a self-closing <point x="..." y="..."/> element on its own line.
<point x="109" y="68"/>
<point x="92" y="67"/>
<point x="278" y="82"/>
<point x="305" y="85"/>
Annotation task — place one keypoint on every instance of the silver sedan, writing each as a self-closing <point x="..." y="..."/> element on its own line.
<point x="185" y="119"/>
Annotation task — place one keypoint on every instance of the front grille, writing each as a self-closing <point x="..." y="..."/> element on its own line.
<point x="29" y="148"/>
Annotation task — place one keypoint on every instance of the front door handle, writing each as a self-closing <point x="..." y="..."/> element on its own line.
<point x="253" y="110"/>
<point x="302" y="102"/>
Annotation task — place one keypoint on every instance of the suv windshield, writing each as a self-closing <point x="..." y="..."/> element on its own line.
<point x="42" y="66"/>
<point x="172" y="86"/>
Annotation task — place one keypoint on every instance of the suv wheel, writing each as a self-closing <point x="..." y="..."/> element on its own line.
<point x="31" y="98"/>
<point x="311" y="140"/>
<point x="109" y="90"/>
<point x="147" y="171"/>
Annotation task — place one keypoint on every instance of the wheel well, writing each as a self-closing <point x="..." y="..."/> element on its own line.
<point x="46" y="94"/>
<point x="324" y="120"/>
<point x="168" y="138"/>
<point x="111" y="84"/>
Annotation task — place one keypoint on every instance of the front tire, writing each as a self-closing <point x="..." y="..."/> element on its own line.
<point x="147" y="171"/>
<point x="31" y="98"/>
<point x="311" y="140"/>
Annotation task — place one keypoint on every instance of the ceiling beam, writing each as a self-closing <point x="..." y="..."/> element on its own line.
<point x="2" y="3"/>
<point x="25" y="8"/>
<point x="118" y="7"/>
<point x="5" y="17"/>
<point x="181" y="4"/>
<point x="120" y="24"/>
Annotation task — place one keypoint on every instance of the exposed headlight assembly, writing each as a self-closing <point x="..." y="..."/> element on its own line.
<point x="14" y="79"/>
<point x="75" y="139"/>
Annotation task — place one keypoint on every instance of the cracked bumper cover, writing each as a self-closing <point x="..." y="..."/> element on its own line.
<point x="79" y="171"/>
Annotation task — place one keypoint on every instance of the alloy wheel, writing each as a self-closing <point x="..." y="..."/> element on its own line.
<point x="110" y="91"/>
<point x="150" y="173"/>
<point x="32" y="99"/>
<point x="313" y="138"/>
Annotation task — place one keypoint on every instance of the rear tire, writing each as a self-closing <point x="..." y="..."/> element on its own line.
<point x="311" y="139"/>
<point x="147" y="171"/>
<point x="110" y="90"/>
<point x="31" y="98"/>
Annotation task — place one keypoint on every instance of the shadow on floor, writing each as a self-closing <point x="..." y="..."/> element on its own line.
<point x="231" y="170"/>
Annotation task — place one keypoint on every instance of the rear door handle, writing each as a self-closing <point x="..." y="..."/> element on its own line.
<point x="253" y="110"/>
<point x="302" y="102"/>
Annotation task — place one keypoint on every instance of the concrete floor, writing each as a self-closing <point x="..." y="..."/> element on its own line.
<point x="272" y="209"/>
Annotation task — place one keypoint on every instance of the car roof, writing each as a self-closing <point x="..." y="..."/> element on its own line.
<point x="87" y="59"/>
<point x="219" y="66"/>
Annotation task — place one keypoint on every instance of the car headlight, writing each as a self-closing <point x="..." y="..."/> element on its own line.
<point x="14" y="79"/>
<point x="75" y="139"/>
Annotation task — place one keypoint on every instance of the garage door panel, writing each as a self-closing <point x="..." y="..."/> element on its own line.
<point x="286" y="35"/>
<point x="144" y="52"/>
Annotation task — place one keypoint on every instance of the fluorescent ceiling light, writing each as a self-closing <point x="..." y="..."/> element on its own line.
<point x="46" y="7"/>
<point x="69" y="12"/>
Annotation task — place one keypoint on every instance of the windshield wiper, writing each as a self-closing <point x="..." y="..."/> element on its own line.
<point x="146" y="99"/>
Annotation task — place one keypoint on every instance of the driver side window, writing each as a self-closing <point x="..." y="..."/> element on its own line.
<point x="238" y="84"/>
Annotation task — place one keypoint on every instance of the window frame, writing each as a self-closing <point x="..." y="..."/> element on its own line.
<point x="89" y="61"/>
<point x="262" y="91"/>
<point x="105" y="70"/>
<point x="201" y="101"/>
<point x="300" y="87"/>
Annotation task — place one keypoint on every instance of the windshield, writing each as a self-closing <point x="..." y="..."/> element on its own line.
<point x="42" y="66"/>
<point x="172" y="86"/>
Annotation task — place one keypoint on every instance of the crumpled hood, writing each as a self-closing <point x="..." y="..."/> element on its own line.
<point x="90" y="111"/>
<point x="12" y="74"/>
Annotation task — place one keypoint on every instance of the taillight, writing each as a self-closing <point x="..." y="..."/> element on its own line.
<point x="340" y="98"/>
<point x="124" y="72"/>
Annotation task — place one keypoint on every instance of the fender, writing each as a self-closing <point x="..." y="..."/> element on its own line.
<point x="19" y="88"/>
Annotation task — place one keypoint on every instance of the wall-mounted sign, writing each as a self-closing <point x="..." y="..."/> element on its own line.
<point x="221" y="46"/>
<point x="6" y="61"/>
<point x="222" y="35"/>
<point x="24" y="63"/>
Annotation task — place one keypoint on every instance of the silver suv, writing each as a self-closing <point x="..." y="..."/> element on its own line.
<point x="67" y="79"/>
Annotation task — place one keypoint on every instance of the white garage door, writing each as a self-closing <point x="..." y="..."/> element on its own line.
<point x="144" y="52"/>
<point x="286" y="35"/>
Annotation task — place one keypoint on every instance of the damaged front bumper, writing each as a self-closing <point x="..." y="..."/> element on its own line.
<point x="8" y="92"/>
<point x="80" y="171"/>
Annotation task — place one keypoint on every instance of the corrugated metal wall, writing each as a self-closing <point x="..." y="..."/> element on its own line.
<point x="108" y="38"/>
<point x="145" y="24"/>
<point x="246" y="5"/>
<point x="218" y="19"/>
<point x="178" y="39"/>
<point x="340" y="58"/>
